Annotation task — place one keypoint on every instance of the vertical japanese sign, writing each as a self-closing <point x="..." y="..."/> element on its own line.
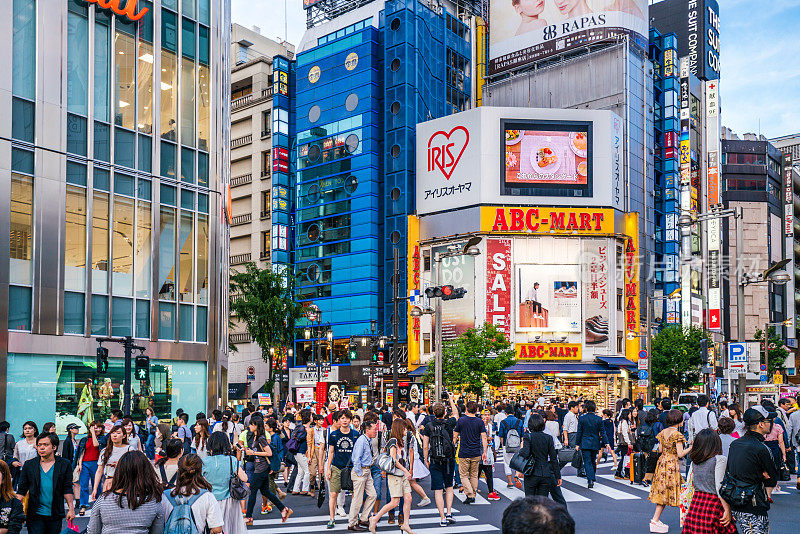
<point x="788" y="192"/>
<point x="631" y="279"/>
<point x="596" y="293"/>
<point x="713" y="228"/>
<point x="498" y="284"/>
<point x="412" y="276"/>
<point x="685" y="193"/>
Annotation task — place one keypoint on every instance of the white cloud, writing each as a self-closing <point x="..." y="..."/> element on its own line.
<point x="278" y="19"/>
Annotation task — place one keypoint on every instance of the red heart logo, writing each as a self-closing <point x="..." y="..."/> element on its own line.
<point x="442" y="154"/>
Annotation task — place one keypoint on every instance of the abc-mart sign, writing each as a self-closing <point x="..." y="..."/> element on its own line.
<point x="460" y="158"/>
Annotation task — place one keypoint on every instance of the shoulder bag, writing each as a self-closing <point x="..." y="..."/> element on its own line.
<point x="386" y="462"/>
<point x="521" y="464"/>
<point x="739" y="494"/>
<point x="238" y="489"/>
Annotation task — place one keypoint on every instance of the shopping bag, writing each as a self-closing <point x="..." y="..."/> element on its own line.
<point x="687" y="492"/>
<point x="577" y="460"/>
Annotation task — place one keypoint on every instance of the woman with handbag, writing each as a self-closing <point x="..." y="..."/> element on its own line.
<point x="708" y="514"/>
<point x="394" y="461"/>
<point x="260" y="481"/>
<point x="625" y="438"/>
<point x="222" y="471"/>
<point x="667" y="481"/>
<point x="542" y="475"/>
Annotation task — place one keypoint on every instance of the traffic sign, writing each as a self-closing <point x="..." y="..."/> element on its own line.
<point x="642" y="354"/>
<point x="644" y="383"/>
<point x="763" y="378"/>
<point x="737" y="353"/>
<point x="643" y="374"/>
<point x="251" y="370"/>
<point x="763" y="367"/>
<point x="777" y="379"/>
<point x="642" y="364"/>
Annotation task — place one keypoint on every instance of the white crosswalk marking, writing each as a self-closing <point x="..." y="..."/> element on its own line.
<point x="455" y="528"/>
<point x="601" y="489"/>
<point x="479" y="499"/>
<point x="571" y="496"/>
<point x="296" y="520"/>
<point x="512" y="493"/>
<point x="626" y="482"/>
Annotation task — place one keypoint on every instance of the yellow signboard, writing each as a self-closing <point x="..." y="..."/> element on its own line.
<point x="555" y="221"/>
<point x="548" y="351"/>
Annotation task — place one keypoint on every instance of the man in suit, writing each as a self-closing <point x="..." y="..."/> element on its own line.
<point x="590" y="439"/>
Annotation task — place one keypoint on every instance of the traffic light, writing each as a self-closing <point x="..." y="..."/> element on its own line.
<point x="142" y="371"/>
<point x="102" y="360"/>
<point x="456" y="293"/>
<point x="704" y="351"/>
<point x="352" y="351"/>
<point x="380" y="356"/>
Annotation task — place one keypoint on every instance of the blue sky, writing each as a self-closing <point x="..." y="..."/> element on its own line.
<point x="760" y="57"/>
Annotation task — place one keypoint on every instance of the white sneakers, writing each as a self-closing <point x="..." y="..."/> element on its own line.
<point x="340" y="512"/>
<point x="659" y="527"/>
<point x="424" y="502"/>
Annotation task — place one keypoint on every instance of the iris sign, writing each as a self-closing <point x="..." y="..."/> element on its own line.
<point x="129" y="11"/>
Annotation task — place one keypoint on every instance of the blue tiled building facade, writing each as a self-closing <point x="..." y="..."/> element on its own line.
<point x="666" y="104"/>
<point x="359" y="94"/>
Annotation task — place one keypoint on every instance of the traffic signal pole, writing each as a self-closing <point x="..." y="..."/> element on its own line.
<point x="128" y="346"/>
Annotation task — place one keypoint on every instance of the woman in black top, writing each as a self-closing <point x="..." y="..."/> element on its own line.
<point x="11" y="512"/>
<point x="546" y="476"/>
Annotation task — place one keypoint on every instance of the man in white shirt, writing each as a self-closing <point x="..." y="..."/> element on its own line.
<point x="533" y="297"/>
<point x="499" y="417"/>
<point x="570" y="427"/>
<point x="702" y="417"/>
<point x="413" y="414"/>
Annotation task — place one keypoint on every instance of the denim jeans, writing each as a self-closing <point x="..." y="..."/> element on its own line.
<point x="589" y="463"/>
<point x="150" y="446"/>
<point x="377" y="481"/>
<point x="88" y="471"/>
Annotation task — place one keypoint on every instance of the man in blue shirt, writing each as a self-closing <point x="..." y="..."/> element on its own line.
<point x="362" y="476"/>
<point x="183" y="433"/>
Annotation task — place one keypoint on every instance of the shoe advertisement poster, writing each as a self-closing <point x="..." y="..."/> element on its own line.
<point x="549" y="298"/>
<point x="597" y="292"/>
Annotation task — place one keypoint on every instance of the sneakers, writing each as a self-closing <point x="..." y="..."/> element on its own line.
<point x="340" y="512"/>
<point x="517" y="483"/>
<point x="424" y="502"/>
<point x="658" y="527"/>
<point x="493" y="496"/>
<point x="469" y="500"/>
<point x="449" y="518"/>
<point x="443" y="522"/>
<point x="266" y="509"/>
<point x="331" y="524"/>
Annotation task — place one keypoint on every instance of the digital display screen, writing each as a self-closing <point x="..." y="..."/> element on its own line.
<point x="547" y="158"/>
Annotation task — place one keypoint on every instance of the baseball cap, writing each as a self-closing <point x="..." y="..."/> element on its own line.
<point x="754" y="415"/>
<point x="72" y="426"/>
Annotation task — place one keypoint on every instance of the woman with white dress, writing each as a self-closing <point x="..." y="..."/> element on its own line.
<point x="487" y="466"/>
<point x="419" y="469"/>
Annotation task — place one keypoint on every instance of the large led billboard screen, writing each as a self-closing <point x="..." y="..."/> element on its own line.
<point x="524" y="31"/>
<point x="547" y="158"/>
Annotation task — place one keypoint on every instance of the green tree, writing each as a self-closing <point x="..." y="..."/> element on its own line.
<point x="263" y="301"/>
<point x="677" y="357"/>
<point x="475" y="358"/>
<point x="777" y="351"/>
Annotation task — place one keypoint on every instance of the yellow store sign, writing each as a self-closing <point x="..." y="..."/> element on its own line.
<point x="558" y="221"/>
<point x="548" y="351"/>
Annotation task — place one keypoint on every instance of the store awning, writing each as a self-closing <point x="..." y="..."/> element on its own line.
<point x="618" y="361"/>
<point x="419" y="371"/>
<point x="260" y="390"/>
<point x="547" y="368"/>
<point x="237" y="390"/>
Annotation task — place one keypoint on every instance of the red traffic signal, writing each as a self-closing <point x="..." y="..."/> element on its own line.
<point x="447" y="291"/>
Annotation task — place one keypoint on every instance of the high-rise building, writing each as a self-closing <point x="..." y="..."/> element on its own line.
<point x="111" y="163"/>
<point x="751" y="174"/>
<point x="367" y="72"/>
<point x="253" y="83"/>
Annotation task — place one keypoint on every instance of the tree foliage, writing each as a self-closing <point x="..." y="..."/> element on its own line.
<point x="475" y="358"/>
<point x="777" y="351"/>
<point x="677" y="357"/>
<point x="263" y="301"/>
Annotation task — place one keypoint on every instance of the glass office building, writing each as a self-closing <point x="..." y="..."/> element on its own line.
<point x="109" y="193"/>
<point x="364" y="79"/>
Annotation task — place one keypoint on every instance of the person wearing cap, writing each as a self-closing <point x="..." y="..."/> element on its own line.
<point x="750" y="462"/>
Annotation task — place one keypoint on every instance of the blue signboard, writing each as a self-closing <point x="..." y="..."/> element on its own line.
<point x="642" y="374"/>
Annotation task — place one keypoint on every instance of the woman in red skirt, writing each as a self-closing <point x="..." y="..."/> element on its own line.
<point x="708" y="514"/>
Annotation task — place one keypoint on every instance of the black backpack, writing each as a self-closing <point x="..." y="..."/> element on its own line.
<point x="645" y="438"/>
<point x="168" y="484"/>
<point x="440" y="448"/>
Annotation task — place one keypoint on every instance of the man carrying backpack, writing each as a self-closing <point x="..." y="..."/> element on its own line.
<point x="440" y="454"/>
<point x="510" y="433"/>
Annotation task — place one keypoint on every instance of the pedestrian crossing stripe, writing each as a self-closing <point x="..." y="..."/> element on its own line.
<point x="478" y="498"/>
<point x="601" y="489"/>
<point x="294" y="520"/>
<point x="626" y="482"/>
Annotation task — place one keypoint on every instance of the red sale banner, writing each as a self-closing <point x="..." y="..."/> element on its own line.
<point x="322" y="396"/>
<point x="498" y="284"/>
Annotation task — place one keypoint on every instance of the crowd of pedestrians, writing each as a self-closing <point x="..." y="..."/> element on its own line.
<point x="719" y="464"/>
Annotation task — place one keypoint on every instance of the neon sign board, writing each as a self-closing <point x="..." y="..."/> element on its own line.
<point x="129" y="11"/>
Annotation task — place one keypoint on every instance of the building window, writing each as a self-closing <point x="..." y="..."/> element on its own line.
<point x="187" y="165"/>
<point x="144" y="122"/>
<point x="265" y="203"/>
<point x="99" y="315"/>
<point x="121" y="316"/>
<point x="202" y="259"/>
<point x="204" y="105"/>
<point x="102" y="51"/>
<point x="201" y="336"/>
<point x="166" y="258"/>
<point x="202" y="169"/>
<point x="19" y="308"/>
<point x="168" y="157"/>
<point x="22" y="119"/>
<point x="125" y="88"/>
<point x="266" y="163"/>
<point x="187" y="102"/>
<point x="23" y="60"/>
<point x="266" y="123"/>
<point x="186" y="322"/>
<point x="187" y="257"/>
<point x="100" y="219"/>
<point x="143" y="244"/>
<point x="102" y="141"/>
<point x="169" y="80"/>
<point x="74" y="312"/>
<point x="122" y="268"/>
<point x="620" y="300"/>
<point x="241" y="56"/>
<point x="124" y="148"/>
<point x="75" y="239"/>
<point x="143" y="319"/>
<point x="266" y="242"/>
<point x="21" y="246"/>
<point x="77" y="59"/>
<point x="166" y="321"/>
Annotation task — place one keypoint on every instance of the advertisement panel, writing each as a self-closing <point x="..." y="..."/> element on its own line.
<point x="549" y="298"/>
<point x="459" y="271"/>
<point x="547" y="158"/>
<point x="596" y="292"/>
<point x="632" y="311"/>
<point x="498" y="283"/>
<point x="513" y="156"/>
<point x="713" y="227"/>
<point x="548" y="351"/>
<point x="413" y="269"/>
<point x="522" y="32"/>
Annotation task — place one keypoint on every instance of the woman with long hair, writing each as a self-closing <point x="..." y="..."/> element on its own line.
<point x="625" y="437"/>
<point x="218" y="468"/>
<point x="398" y="481"/>
<point x="130" y="431"/>
<point x="546" y="475"/>
<point x="167" y="465"/>
<point x="192" y="488"/>
<point x="163" y="435"/>
<point x="87" y="457"/>
<point x="201" y="433"/>
<point x="666" y="488"/>
<point x="735" y="413"/>
<point x="25" y="449"/>
<point x="708" y="514"/>
<point x="262" y="452"/>
<point x="131" y="504"/>
<point x="301" y="433"/>
<point x="150" y="428"/>
<point x="11" y="512"/>
<point x="225" y="425"/>
<point x="116" y="446"/>
<point x="419" y="469"/>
